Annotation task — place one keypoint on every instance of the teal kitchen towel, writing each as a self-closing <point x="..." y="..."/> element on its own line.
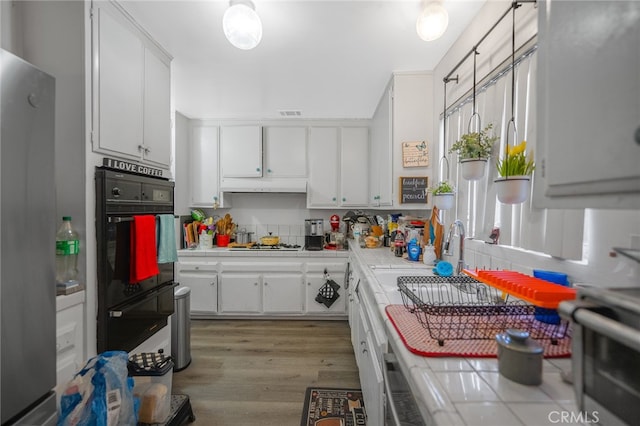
<point x="167" y="251"/>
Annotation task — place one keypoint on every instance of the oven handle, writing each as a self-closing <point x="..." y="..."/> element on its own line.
<point x="119" y="219"/>
<point x="615" y="330"/>
<point x="117" y="313"/>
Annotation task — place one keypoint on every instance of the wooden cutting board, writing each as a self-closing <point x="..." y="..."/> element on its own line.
<point x="238" y="245"/>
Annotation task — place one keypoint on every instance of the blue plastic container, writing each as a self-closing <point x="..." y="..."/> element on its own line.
<point x="549" y="316"/>
<point x="413" y="250"/>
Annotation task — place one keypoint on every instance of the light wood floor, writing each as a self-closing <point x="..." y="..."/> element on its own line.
<point x="255" y="372"/>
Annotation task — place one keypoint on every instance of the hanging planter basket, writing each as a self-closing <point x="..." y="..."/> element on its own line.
<point x="513" y="189"/>
<point x="443" y="201"/>
<point x="473" y="168"/>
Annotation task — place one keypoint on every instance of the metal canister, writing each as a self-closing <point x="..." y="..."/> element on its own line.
<point x="519" y="357"/>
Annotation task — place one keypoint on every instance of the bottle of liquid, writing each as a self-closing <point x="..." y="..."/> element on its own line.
<point x="398" y="244"/>
<point x="413" y="250"/>
<point x="67" y="247"/>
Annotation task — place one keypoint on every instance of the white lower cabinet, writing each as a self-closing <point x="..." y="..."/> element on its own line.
<point x="240" y="293"/>
<point x="204" y="293"/>
<point x="69" y="341"/>
<point x="252" y="286"/>
<point x="282" y="293"/>
<point x="370" y="370"/>
<point x="202" y="280"/>
<point x="314" y="282"/>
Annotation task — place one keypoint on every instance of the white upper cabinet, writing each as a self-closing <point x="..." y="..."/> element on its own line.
<point x="132" y="86"/>
<point x="241" y="151"/>
<point x="589" y="105"/>
<point x="322" y="190"/>
<point x="157" y="101"/>
<point x="285" y="152"/>
<point x="338" y="167"/>
<point x="354" y="166"/>
<point x="203" y="161"/>
<point x="380" y="170"/>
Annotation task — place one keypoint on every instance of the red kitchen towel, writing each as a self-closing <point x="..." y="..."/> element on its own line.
<point x="144" y="257"/>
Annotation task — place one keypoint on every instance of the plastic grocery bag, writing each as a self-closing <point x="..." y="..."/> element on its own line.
<point x="101" y="394"/>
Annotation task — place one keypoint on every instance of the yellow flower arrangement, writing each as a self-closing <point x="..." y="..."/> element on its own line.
<point x="517" y="162"/>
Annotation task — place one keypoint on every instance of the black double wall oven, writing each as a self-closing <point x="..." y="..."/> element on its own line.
<point x="129" y="313"/>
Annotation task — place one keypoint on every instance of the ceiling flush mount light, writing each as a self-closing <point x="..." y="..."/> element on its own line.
<point x="432" y="22"/>
<point x="241" y="24"/>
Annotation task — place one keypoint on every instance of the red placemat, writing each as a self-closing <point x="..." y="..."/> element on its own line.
<point x="417" y="339"/>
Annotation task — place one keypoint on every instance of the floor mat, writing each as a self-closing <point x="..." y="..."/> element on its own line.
<point x="418" y="340"/>
<point x="333" y="407"/>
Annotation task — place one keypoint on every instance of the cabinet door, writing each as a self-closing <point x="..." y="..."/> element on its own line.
<point x="157" y="110"/>
<point x="380" y="171"/>
<point x="589" y="106"/>
<point x="240" y="293"/>
<point x="322" y="190"/>
<point x="313" y="284"/>
<point x="370" y="370"/>
<point x="241" y="151"/>
<point x="119" y="98"/>
<point x="204" y="166"/>
<point x="354" y="166"/>
<point x="69" y="343"/>
<point x="204" y="293"/>
<point x="285" y="152"/>
<point x="282" y="293"/>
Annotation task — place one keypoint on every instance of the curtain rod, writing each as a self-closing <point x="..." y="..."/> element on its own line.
<point x="514" y="5"/>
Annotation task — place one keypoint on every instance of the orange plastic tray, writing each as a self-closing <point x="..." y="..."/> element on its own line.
<point x="530" y="289"/>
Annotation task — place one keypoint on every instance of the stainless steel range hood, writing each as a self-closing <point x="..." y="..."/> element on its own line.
<point x="263" y="185"/>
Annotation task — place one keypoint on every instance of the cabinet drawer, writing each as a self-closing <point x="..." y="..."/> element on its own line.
<point x="196" y="268"/>
<point x="331" y="267"/>
<point x="262" y="266"/>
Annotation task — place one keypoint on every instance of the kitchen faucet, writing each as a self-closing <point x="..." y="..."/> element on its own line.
<point x="447" y="248"/>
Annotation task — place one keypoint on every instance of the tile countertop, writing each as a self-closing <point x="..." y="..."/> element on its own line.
<point x="469" y="391"/>
<point x="227" y="252"/>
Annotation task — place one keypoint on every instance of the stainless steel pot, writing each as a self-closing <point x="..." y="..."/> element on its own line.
<point x="243" y="237"/>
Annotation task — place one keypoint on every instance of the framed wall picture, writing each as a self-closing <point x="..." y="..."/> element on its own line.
<point x="415" y="154"/>
<point x="413" y="189"/>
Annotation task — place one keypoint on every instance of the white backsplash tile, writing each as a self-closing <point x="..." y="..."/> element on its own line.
<point x="284" y="230"/>
<point x="261" y="231"/>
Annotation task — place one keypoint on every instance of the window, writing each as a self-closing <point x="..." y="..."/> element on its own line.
<point x="554" y="232"/>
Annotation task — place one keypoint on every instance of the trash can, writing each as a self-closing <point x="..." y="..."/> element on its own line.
<point x="181" y="329"/>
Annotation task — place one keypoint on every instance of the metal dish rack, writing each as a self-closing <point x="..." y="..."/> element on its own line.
<point x="462" y="308"/>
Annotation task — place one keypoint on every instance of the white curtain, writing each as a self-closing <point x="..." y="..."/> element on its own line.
<point x="555" y="232"/>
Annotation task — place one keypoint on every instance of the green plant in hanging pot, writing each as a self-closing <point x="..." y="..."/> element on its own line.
<point x="473" y="150"/>
<point x="515" y="171"/>
<point x="443" y="194"/>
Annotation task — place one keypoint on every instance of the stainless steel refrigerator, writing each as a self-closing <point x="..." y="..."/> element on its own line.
<point x="27" y="251"/>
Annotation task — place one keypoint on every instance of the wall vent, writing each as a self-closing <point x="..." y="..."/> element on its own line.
<point x="290" y="113"/>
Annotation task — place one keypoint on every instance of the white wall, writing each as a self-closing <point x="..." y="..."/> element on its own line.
<point x="604" y="229"/>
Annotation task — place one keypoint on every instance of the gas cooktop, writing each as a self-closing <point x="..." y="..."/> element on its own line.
<point x="264" y="247"/>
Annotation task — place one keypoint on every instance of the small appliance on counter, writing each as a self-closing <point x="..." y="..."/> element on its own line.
<point x="335" y="238"/>
<point x="314" y="234"/>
